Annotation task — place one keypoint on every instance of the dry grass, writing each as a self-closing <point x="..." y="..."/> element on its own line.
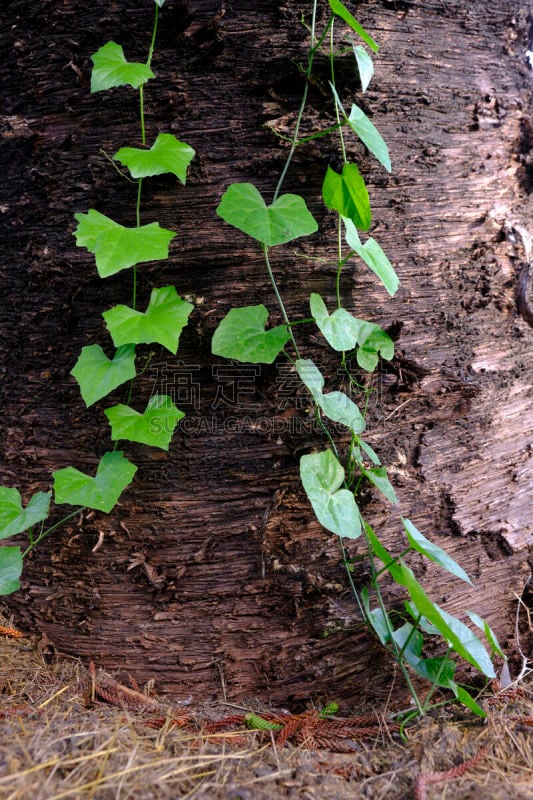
<point x="56" y="743"/>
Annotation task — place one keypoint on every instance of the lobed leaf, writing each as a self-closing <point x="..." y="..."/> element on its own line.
<point x="154" y="427"/>
<point x="162" y="322"/>
<point x="15" y="519"/>
<point x="340" y="10"/>
<point x="111" y="69"/>
<point x="422" y="545"/>
<point x="347" y="194"/>
<point x="335" y="508"/>
<point x="10" y="569"/>
<point x="98" y="375"/>
<point x="167" y="154"/>
<point x="370" y="136"/>
<point x="365" y="65"/>
<point x="241" y="335"/>
<point x="286" y="219"/>
<point x="113" y="474"/>
<point x="116" y="247"/>
<point x="374" y="257"/>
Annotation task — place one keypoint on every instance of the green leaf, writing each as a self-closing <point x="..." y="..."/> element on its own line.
<point x="377" y="618"/>
<point x="347" y="194"/>
<point x="378" y="476"/>
<point x="410" y="641"/>
<point x="364" y="65"/>
<point x="440" y="671"/>
<point x="329" y="711"/>
<point x="422" y="545"/>
<point x="467" y="700"/>
<point x="286" y="219"/>
<point x="372" y="341"/>
<point x="162" y="322"/>
<point x="98" y="375"/>
<point x="160" y="3"/>
<point x="489" y="633"/>
<point x="241" y="335"/>
<point x="114" y="473"/>
<point x="374" y="257"/>
<point x="15" y="519"/>
<point x="337" y="406"/>
<point x="167" y="154"/>
<point x="372" y="455"/>
<point x="339" y="329"/>
<point x="335" y="508"/>
<point x="116" y="247"/>
<point x="341" y="11"/>
<point x="10" y="569"/>
<point x="155" y="427"/>
<point x="256" y="723"/>
<point x="370" y="136"/>
<point x="111" y="69"/>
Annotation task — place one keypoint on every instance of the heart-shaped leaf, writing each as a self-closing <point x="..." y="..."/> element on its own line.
<point x="98" y="375"/>
<point x="162" y="322"/>
<point x="111" y="69"/>
<point x="167" y="154"/>
<point x="364" y="65"/>
<point x="374" y="257"/>
<point x="241" y="335"/>
<point x="15" y="519"/>
<point x="286" y="219"/>
<point x="335" y="508"/>
<point x="340" y="10"/>
<point x="155" y="427"/>
<point x="10" y="569"/>
<point x="116" y="247"/>
<point x="347" y="194"/>
<point x="370" y="136"/>
<point x="339" y="329"/>
<point x="76" y="488"/>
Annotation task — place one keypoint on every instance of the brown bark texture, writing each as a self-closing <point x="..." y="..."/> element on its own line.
<point x="213" y="577"/>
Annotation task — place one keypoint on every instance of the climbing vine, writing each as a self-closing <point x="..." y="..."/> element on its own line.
<point x="333" y="477"/>
<point x="115" y="248"/>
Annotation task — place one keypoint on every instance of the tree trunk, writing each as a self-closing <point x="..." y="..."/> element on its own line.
<point x="213" y="576"/>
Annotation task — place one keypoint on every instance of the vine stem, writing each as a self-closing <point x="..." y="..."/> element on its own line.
<point x="56" y="525"/>
<point x="279" y="299"/>
<point x="310" y="60"/>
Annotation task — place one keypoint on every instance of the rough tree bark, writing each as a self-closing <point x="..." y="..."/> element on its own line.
<point x="213" y="575"/>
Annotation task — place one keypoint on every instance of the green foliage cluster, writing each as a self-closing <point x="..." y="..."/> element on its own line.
<point x="115" y="248"/>
<point x="332" y="478"/>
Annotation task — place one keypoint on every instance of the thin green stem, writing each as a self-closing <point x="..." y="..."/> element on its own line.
<point x="311" y="58"/>
<point x="154" y="35"/>
<point x="49" y="530"/>
<point x="141" y="106"/>
<point x="279" y="299"/>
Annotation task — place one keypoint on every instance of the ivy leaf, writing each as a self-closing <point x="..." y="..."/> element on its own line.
<point x="374" y="257"/>
<point x="167" y="154"/>
<point x="111" y="69"/>
<point x="370" y="136"/>
<point x="339" y="329"/>
<point x="286" y="219"/>
<point x="10" y="569"/>
<point x="241" y="335"/>
<point x="372" y="341"/>
<point x="347" y="194"/>
<point x="155" y="427"/>
<point x="15" y="519"/>
<point x="337" y="406"/>
<point x="76" y="488"/>
<point x="378" y="477"/>
<point x="335" y="508"/>
<point x="116" y="247"/>
<point x="162" y="322"/>
<point x="341" y="11"/>
<point x="98" y="375"/>
<point x="364" y="65"/>
<point x="422" y="545"/>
